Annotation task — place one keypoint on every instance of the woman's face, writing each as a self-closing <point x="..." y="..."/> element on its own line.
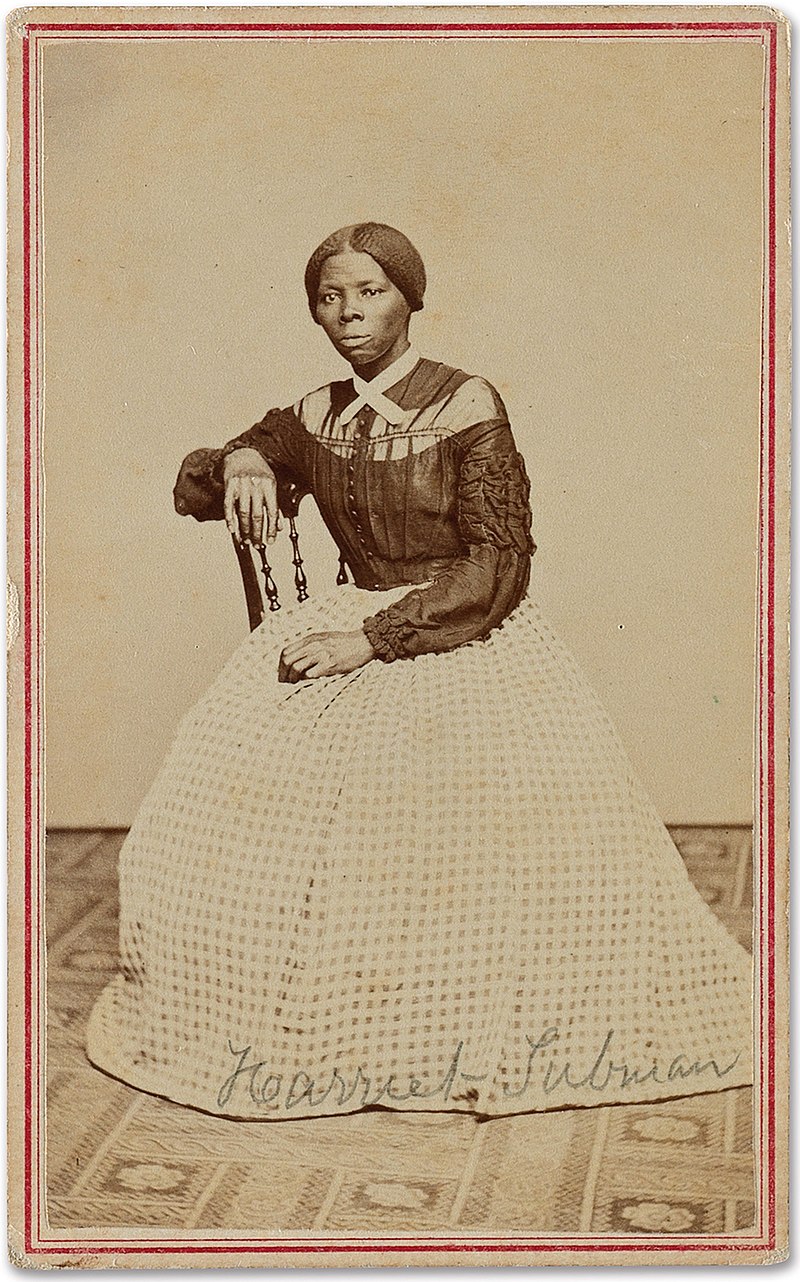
<point x="364" y="315"/>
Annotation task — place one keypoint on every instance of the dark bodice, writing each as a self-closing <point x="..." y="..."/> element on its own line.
<point x="439" y="498"/>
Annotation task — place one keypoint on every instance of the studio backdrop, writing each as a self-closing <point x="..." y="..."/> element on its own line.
<point x="590" y="219"/>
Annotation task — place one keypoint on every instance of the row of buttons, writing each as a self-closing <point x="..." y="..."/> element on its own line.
<point x="362" y="425"/>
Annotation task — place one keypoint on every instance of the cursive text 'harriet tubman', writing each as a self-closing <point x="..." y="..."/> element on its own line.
<point x="252" y="1082"/>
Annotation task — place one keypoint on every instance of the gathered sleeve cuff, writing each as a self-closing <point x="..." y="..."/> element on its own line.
<point x="279" y="437"/>
<point x="480" y="589"/>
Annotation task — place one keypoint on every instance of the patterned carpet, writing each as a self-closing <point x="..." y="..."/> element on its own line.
<point x="118" y="1157"/>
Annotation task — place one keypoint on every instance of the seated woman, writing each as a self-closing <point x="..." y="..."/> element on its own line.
<point x="396" y="854"/>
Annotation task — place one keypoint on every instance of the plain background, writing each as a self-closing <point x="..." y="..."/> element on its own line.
<point x="590" y="219"/>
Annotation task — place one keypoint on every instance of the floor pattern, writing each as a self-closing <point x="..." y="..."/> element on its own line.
<point x="117" y="1157"/>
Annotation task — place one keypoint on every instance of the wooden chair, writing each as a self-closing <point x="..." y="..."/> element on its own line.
<point x="198" y="494"/>
<point x="256" y="607"/>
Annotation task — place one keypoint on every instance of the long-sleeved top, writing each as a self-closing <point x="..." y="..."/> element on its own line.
<point x="438" y="498"/>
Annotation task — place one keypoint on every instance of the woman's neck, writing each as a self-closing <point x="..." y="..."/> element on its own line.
<point x="392" y="354"/>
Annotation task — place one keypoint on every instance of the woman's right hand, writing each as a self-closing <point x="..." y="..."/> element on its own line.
<point x="251" y="497"/>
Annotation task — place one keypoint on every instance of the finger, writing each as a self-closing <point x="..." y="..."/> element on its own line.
<point x="299" y="667"/>
<point x="243" y="505"/>
<point x="305" y="661"/>
<point x="318" y="670"/>
<point x="301" y="646"/>
<point x="257" y="516"/>
<point x="303" y="658"/>
<point x="230" y="514"/>
<point x="297" y="655"/>
<point x="241" y="502"/>
<point x="271" y="505"/>
<point x="293" y="675"/>
<point x="285" y="671"/>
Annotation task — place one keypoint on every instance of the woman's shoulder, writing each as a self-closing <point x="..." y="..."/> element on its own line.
<point x="459" y="399"/>
<point x="315" y="404"/>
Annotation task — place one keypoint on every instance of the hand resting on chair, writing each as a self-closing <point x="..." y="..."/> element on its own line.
<point x="252" y="515"/>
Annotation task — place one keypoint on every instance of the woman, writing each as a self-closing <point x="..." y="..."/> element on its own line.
<point x="396" y="854"/>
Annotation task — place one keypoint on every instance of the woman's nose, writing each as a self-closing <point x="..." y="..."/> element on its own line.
<point x="350" y="310"/>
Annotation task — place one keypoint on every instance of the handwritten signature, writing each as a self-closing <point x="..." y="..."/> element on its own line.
<point x="280" y="1091"/>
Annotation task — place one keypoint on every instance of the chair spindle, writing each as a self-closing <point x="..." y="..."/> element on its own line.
<point x="300" y="580"/>
<point x="269" y="583"/>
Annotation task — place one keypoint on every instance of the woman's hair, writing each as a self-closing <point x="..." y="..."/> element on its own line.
<point x="389" y="247"/>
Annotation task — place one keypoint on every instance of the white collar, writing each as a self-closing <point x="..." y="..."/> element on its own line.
<point x="372" y="393"/>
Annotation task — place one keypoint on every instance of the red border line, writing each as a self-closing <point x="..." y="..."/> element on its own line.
<point x="37" y="594"/>
<point x="771" y="746"/>
<point x="407" y="28"/>
<point x="31" y="614"/>
<point x="334" y="37"/>
<point x="28" y="618"/>
<point x="587" y="38"/>
<point x="387" y="1245"/>
<point x="766" y="793"/>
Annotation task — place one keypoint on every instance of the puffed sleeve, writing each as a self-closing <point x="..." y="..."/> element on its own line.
<point x="479" y="590"/>
<point x="279" y="436"/>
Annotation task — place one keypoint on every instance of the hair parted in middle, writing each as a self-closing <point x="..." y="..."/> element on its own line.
<point x="388" y="246"/>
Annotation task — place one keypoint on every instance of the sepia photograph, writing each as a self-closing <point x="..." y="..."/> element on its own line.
<point x="398" y="527"/>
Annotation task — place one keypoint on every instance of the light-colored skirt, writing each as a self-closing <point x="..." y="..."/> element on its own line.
<point x="424" y="885"/>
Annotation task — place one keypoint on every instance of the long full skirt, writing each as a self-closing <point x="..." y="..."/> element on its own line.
<point x="429" y="884"/>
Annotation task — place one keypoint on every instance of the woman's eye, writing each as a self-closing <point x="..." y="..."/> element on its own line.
<point x="371" y="292"/>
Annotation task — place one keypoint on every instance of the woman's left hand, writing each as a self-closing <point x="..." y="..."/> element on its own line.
<point x="324" y="654"/>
